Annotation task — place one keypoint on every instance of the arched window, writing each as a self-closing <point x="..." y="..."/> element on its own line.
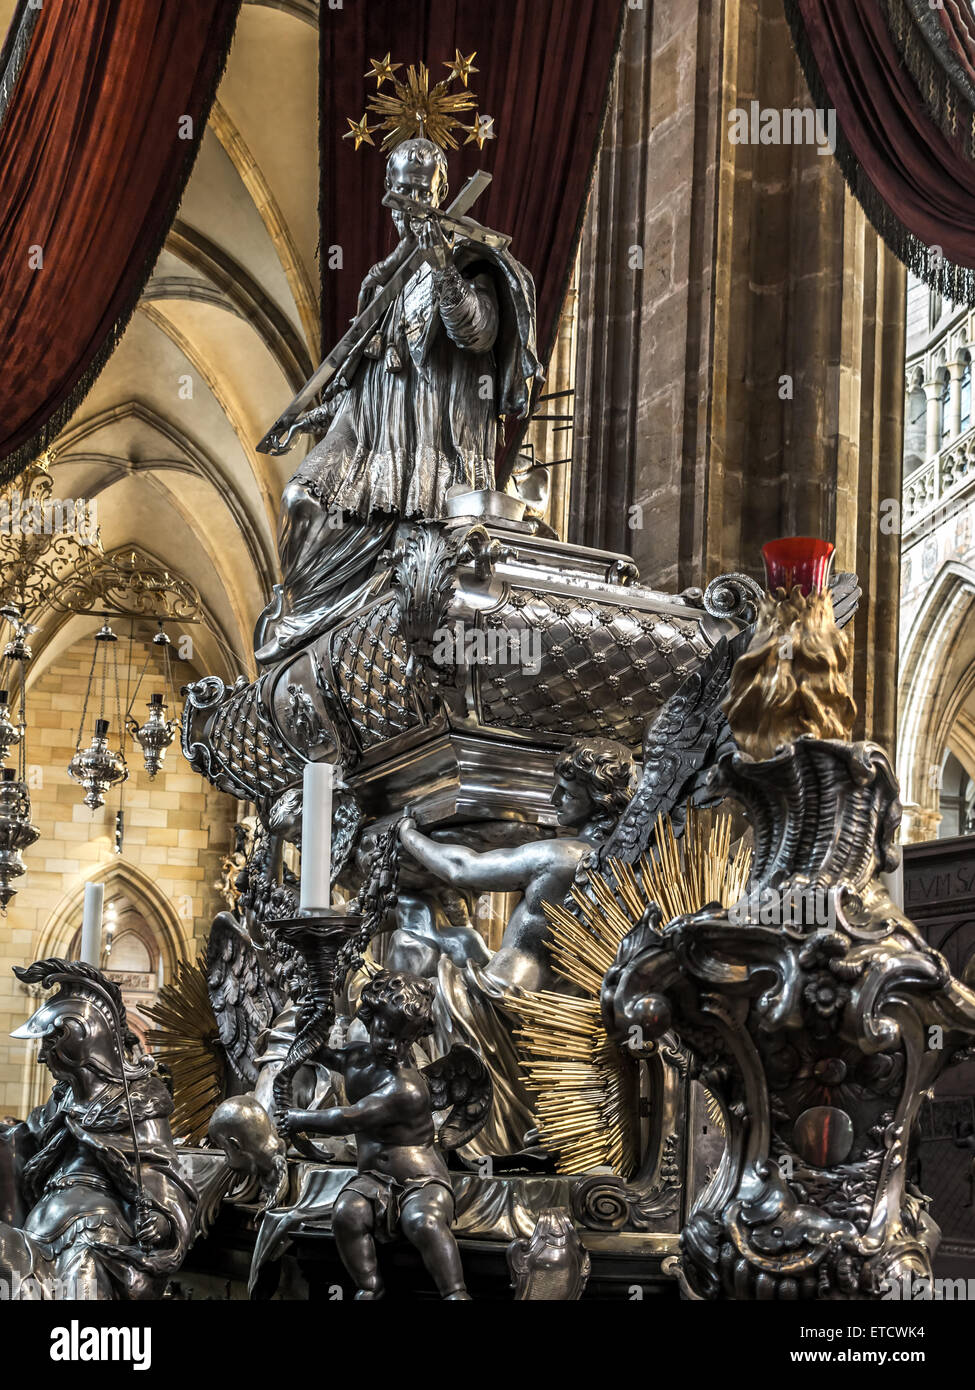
<point x="131" y="954"/>
<point x="955" y="799"/>
<point x="945" y="404"/>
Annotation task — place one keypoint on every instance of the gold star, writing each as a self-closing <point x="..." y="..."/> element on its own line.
<point x="481" y="130"/>
<point x="359" y="131"/>
<point x="461" y="66"/>
<point x="382" y="70"/>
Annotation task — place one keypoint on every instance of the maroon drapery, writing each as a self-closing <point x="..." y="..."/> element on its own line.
<point x="544" y="74"/>
<point x="901" y="77"/>
<point x="93" y="160"/>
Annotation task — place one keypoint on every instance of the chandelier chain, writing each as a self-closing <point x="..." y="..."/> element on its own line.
<point x="84" y="707"/>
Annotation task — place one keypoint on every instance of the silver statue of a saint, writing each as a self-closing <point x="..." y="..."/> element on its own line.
<point x="413" y="409"/>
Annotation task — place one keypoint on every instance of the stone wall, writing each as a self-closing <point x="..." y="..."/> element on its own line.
<point x="741" y="331"/>
<point x="177" y="830"/>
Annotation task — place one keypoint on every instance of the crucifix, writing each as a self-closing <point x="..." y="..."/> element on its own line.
<point x="452" y="221"/>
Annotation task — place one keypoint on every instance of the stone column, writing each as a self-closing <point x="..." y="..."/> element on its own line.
<point x="956" y="370"/>
<point x="932" y="442"/>
<point x="742" y="378"/>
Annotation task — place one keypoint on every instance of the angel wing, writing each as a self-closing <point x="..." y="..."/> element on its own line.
<point x="678" y="744"/>
<point x="243" y="997"/>
<point x="688" y="735"/>
<point x="460" y="1082"/>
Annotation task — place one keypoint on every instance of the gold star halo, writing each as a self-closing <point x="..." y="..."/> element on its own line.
<point x="360" y="130"/>
<point x="461" y="67"/>
<point x="383" y="70"/>
<point x="414" y="108"/>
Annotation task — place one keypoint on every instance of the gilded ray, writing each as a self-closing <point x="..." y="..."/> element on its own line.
<point x="187" y="1041"/>
<point x="586" y="1089"/>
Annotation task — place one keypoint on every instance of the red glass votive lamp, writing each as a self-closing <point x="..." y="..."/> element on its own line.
<point x="801" y="560"/>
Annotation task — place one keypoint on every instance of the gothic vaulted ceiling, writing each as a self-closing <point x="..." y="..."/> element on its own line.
<point x="225" y="332"/>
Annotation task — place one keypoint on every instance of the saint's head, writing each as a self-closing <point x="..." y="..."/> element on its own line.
<point x="417" y="169"/>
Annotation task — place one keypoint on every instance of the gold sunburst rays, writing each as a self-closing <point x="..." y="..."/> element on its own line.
<point x="413" y="107"/>
<point x="700" y="868"/>
<point x="187" y="1042"/>
<point x="585" y="1088"/>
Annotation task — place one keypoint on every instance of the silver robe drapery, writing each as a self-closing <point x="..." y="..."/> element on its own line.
<point x="413" y="414"/>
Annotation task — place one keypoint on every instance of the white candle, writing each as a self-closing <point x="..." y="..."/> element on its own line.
<point x="316" y="839"/>
<point x="91" y="924"/>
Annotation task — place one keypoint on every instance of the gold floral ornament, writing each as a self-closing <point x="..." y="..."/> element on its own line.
<point x="414" y="108"/>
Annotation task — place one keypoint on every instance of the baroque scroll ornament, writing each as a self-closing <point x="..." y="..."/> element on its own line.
<point x="816" y="1013"/>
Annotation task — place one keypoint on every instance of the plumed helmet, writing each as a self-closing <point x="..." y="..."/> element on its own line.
<point x="86" y="1010"/>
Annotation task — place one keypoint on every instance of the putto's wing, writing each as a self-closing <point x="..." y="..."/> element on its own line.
<point x="689" y="734"/>
<point x="460" y="1082"/>
<point x="677" y="744"/>
<point x="845" y="592"/>
<point x="240" y="993"/>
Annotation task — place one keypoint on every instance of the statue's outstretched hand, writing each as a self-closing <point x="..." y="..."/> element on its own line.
<point x="281" y="443"/>
<point x="315" y="419"/>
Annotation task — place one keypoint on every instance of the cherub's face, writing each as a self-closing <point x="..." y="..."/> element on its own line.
<point x="573" y="804"/>
<point x="389" y="1033"/>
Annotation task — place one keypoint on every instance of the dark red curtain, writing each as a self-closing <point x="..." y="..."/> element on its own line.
<point x="544" y="74"/>
<point x="93" y="160"/>
<point x="899" y="74"/>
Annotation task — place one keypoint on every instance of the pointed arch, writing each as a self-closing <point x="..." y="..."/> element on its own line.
<point x="937" y="676"/>
<point x="175" y="935"/>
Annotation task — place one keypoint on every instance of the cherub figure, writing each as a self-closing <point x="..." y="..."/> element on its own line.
<point x="402" y="1184"/>
<point x="594" y="782"/>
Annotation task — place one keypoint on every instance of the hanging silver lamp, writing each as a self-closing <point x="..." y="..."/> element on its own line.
<point x="155" y="735"/>
<point x="98" y="767"/>
<point x="16" y="833"/>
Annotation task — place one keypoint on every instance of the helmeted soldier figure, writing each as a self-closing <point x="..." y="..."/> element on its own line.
<point x="94" y="1203"/>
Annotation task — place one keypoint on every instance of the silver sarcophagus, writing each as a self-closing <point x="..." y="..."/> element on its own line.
<point x="487" y="649"/>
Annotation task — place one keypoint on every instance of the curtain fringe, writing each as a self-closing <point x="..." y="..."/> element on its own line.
<point x="15" y="50"/>
<point x="14" y="463"/>
<point x="954" y="282"/>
